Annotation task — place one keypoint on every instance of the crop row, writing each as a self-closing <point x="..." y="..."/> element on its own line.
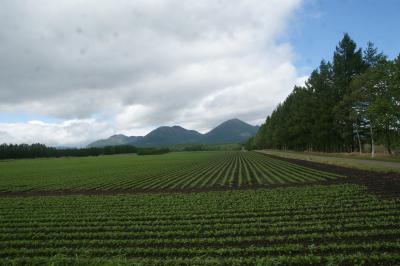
<point x="386" y="258"/>
<point x="197" y="171"/>
<point x="295" y="249"/>
<point x="363" y="218"/>
<point x="235" y="169"/>
<point x="336" y="223"/>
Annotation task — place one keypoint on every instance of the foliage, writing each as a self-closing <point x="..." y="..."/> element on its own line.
<point x="18" y="151"/>
<point x="345" y="104"/>
<point x="319" y="225"/>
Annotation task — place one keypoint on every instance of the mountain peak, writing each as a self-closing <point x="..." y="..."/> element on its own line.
<point x="231" y="131"/>
<point x="166" y="135"/>
<point x="118" y="136"/>
<point x="117" y="139"/>
<point x="234" y="120"/>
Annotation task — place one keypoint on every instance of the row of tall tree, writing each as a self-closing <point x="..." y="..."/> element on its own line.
<point x="347" y="103"/>
<point x="18" y="151"/>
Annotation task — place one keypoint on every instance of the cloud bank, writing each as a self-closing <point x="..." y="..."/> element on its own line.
<point x="102" y="67"/>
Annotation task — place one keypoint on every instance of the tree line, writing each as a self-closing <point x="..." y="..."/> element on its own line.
<point x="347" y="103"/>
<point x="19" y="151"/>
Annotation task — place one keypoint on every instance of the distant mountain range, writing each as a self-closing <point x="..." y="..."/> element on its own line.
<point x="231" y="131"/>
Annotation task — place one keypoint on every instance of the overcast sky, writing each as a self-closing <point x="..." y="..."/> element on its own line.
<point x="75" y="71"/>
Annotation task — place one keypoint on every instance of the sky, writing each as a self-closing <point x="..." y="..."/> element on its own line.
<point x="75" y="71"/>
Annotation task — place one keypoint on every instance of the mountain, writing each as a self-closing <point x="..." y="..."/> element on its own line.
<point x="114" y="140"/>
<point x="164" y="136"/>
<point x="231" y="131"/>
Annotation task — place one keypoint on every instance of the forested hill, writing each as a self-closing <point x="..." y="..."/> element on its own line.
<point x="114" y="140"/>
<point x="230" y="131"/>
<point x="351" y="101"/>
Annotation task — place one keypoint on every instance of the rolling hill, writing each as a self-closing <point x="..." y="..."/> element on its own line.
<point x="114" y="140"/>
<point x="164" y="136"/>
<point x="231" y="131"/>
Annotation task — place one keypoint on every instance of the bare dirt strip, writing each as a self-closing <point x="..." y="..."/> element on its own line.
<point x="384" y="184"/>
<point x="366" y="164"/>
<point x="378" y="182"/>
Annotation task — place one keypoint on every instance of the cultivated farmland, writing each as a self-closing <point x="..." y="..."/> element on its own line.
<point x="195" y="208"/>
<point x="303" y="225"/>
<point x="175" y="171"/>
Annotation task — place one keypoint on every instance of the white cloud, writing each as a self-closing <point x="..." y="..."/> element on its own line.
<point x="301" y="81"/>
<point x="68" y="133"/>
<point x="136" y="65"/>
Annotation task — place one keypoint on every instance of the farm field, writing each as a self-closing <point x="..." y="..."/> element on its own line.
<point x="196" y="208"/>
<point x="170" y="172"/>
<point x="218" y="133"/>
<point x="337" y="224"/>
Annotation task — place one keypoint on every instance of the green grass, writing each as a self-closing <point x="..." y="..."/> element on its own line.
<point x="340" y="224"/>
<point x="379" y="164"/>
<point x="364" y="156"/>
<point x="174" y="171"/>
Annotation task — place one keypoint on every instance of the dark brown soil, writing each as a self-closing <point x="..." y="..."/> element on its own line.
<point x="94" y="192"/>
<point x="384" y="184"/>
<point x="387" y="184"/>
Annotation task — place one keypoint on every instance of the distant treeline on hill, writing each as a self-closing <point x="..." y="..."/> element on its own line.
<point x="346" y="105"/>
<point x="19" y="151"/>
<point x="205" y="147"/>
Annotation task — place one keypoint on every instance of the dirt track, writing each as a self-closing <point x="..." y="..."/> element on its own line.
<point x="378" y="182"/>
<point x="366" y="164"/>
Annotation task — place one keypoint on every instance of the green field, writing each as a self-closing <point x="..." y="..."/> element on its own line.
<point x="191" y="208"/>
<point x="320" y="224"/>
<point x="181" y="170"/>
